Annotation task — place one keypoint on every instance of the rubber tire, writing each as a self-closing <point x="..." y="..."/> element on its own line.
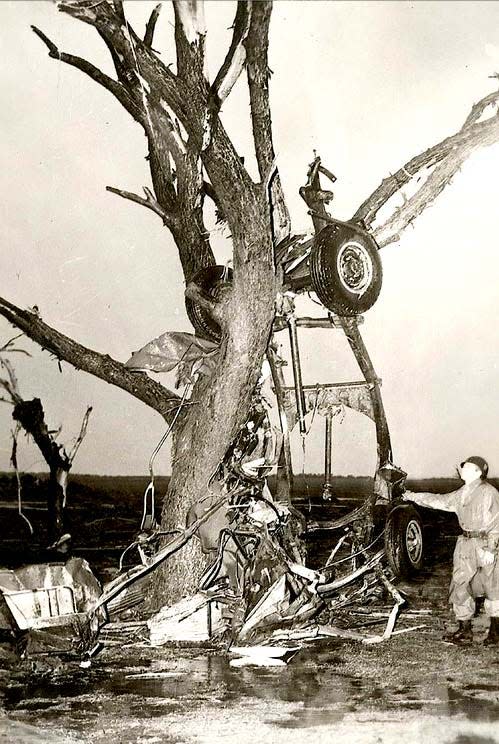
<point x="326" y="280"/>
<point x="396" y="532"/>
<point x="210" y="280"/>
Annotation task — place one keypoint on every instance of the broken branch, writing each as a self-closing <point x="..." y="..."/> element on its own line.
<point x="473" y="135"/>
<point x="478" y="108"/>
<point x="81" y="435"/>
<point x="113" y="86"/>
<point x="190" y="32"/>
<point x="439" y="178"/>
<point x="234" y="62"/>
<point x="149" y="201"/>
<point x="103" y="366"/>
<point x="151" y="26"/>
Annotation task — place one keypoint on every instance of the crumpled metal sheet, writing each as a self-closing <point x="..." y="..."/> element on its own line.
<point x="45" y="595"/>
<point x="174" y="348"/>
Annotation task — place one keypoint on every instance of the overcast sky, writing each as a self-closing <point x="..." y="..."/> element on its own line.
<point x="366" y="84"/>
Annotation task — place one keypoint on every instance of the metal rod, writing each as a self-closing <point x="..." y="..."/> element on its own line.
<point x="209" y="620"/>
<point x="295" y="356"/>
<point x="307" y="322"/>
<point x="327" y="492"/>
<point x="285" y="467"/>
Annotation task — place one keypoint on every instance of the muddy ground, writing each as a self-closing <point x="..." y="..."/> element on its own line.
<point x="414" y="686"/>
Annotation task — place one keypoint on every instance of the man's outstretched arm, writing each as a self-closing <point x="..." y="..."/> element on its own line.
<point x="443" y="501"/>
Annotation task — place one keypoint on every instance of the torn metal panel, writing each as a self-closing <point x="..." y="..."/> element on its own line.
<point x="330" y="399"/>
<point x="193" y="619"/>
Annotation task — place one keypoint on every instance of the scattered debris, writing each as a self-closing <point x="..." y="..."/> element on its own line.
<point x="47" y="594"/>
<point x="257" y="589"/>
<point x="49" y="607"/>
<point x="263" y="655"/>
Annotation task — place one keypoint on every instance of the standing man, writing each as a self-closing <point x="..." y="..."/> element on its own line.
<point x="476" y="561"/>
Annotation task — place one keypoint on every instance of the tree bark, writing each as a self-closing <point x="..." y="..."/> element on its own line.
<point x="30" y="415"/>
<point x="221" y="405"/>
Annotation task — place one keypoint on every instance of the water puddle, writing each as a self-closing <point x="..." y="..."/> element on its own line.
<point x="176" y="694"/>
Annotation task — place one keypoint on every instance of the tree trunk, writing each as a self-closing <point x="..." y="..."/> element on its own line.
<point x="220" y="405"/>
<point x="56" y="499"/>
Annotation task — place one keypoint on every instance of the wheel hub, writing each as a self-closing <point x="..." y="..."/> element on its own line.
<point x="414" y="541"/>
<point x="355" y="268"/>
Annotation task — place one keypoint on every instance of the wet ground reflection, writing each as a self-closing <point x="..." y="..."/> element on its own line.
<point x="167" y="691"/>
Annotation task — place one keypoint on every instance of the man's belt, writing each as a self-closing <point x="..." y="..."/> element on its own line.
<point x="468" y="533"/>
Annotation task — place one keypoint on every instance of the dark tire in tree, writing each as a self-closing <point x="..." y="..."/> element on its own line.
<point x="404" y="544"/>
<point x="345" y="268"/>
<point x="212" y="280"/>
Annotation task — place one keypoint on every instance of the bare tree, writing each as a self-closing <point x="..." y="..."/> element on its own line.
<point x="29" y="416"/>
<point x="191" y="157"/>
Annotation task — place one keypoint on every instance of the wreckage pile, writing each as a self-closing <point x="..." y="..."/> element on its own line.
<point x="257" y="590"/>
<point x="257" y="596"/>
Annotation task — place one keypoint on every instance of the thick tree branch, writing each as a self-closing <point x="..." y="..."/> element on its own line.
<point x="151" y="26"/>
<point x="258" y="73"/>
<point x="126" y="76"/>
<point x="473" y="135"/>
<point x="103" y="366"/>
<point x="113" y="86"/>
<point x="164" y="140"/>
<point x="190" y="34"/>
<point x="118" y="5"/>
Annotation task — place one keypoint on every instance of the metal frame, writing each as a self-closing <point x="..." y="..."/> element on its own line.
<point x="363" y="396"/>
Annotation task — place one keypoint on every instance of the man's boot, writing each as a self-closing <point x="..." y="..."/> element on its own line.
<point x="479" y="603"/>
<point x="463" y="636"/>
<point x="493" y="635"/>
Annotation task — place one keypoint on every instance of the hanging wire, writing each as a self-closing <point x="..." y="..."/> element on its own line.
<point x="13" y="459"/>
<point x="149" y="492"/>
<point x="304" y="477"/>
